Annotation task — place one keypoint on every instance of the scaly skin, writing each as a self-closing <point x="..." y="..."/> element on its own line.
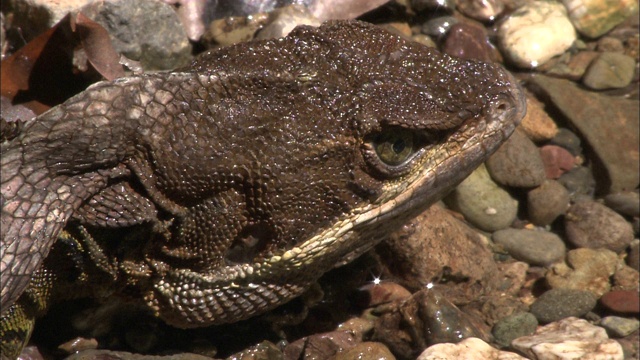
<point x="228" y="187"/>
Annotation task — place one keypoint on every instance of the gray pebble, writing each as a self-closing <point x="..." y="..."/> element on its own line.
<point x="610" y="70"/>
<point x="531" y="246"/>
<point x="439" y="26"/>
<point x="557" y="304"/>
<point x="513" y="327"/>
<point x="517" y="163"/>
<point x="546" y="202"/>
<point x="567" y="139"/>
<point x="579" y="182"/>
<point x="624" y="203"/>
<point x="153" y="33"/>
<point x="483" y="203"/>
<point x="589" y="224"/>
<point x="618" y="326"/>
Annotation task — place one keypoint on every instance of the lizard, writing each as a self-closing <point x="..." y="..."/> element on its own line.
<point x="216" y="192"/>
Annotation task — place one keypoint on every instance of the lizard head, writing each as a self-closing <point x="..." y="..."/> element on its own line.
<point x="348" y="132"/>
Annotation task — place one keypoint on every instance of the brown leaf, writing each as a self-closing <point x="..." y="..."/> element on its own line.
<point x="43" y="73"/>
<point x="97" y="45"/>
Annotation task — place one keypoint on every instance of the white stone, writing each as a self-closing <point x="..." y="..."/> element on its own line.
<point x="569" y="338"/>
<point x="467" y="349"/>
<point x="535" y="33"/>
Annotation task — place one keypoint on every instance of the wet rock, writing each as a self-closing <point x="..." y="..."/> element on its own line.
<point x="366" y="351"/>
<point x="546" y="202"/>
<point x="469" y="41"/>
<point x="567" y="339"/>
<point x="359" y="327"/>
<point x="610" y="71"/>
<point x="626" y="278"/>
<point x="431" y="318"/>
<point x="533" y="247"/>
<point x="556" y="161"/>
<point x="283" y="20"/>
<point x="485" y="11"/>
<point x="557" y="304"/>
<point x="621" y="301"/>
<point x="517" y="163"/>
<point x="421" y="5"/>
<point x="337" y="9"/>
<point x="320" y="346"/>
<point x="424" y="40"/>
<point x="624" y="203"/>
<point x="593" y="18"/>
<point x="467" y="349"/>
<point x="514" y="326"/>
<point x="482" y="202"/>
<point x="513" y="277"/>
<point x="568" y="140"/>
<point x="535" y="33"/>
<point x="610" y="43"/>
<point x="579" y="182"/>
<point x="122" y="355"/>
<point x="78" y="344"/>
<point x="592" y="225"/>
<point x="572" y="66"/>
<point x="384" y="292"/>
<point x="439" y="26"/>
<point x="436" y="245"/>
<point x="618" y="326"/>
<point x="537" y="124"/>
<point x="599" y="118"/>
<point x="585" y="269"/>
<point x="265" y="350"/>
<point x="500" y="305"/>
<point x="153" y="33"/>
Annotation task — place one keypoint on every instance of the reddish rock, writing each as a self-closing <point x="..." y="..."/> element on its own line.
<point x="468" y="41"/>
<point x="557" y="160"/>
<point x="621" y="301"/>
<point x="384" y="292"/>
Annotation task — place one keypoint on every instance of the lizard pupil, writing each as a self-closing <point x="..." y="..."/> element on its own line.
<point x="398" y="146"/>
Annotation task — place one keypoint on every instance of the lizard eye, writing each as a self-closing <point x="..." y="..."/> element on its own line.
<point x="392" y="151"/>
<point x="395" y="146"/>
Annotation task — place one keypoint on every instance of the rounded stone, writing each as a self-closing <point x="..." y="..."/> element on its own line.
<point x="585" y="269"/>
<point x="367" y="350"/>
<point x="517" y="163"/>
<point x="546" y="202"/>
<point x="624" y="203"/>
<point x="537" y="124"/>
<point x="483" y="203"/>
<point x="513" y="327"/>
<point x="533" y="247"/>
<point x="593" y="18"/>
<point x="535" y="33"/>
<point x="556" y="161"/>
<point x="438" y="27"/>
<point x="610" y="70"/>
<point x="557" y="304"/>
<point x="618" y="326"/>
<point x="589" y="224"/>
<point x="579" y="181"/>
<point x="484" y="11"/>
<point x="568" y="140"/>
<point x="621" y="301"/>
